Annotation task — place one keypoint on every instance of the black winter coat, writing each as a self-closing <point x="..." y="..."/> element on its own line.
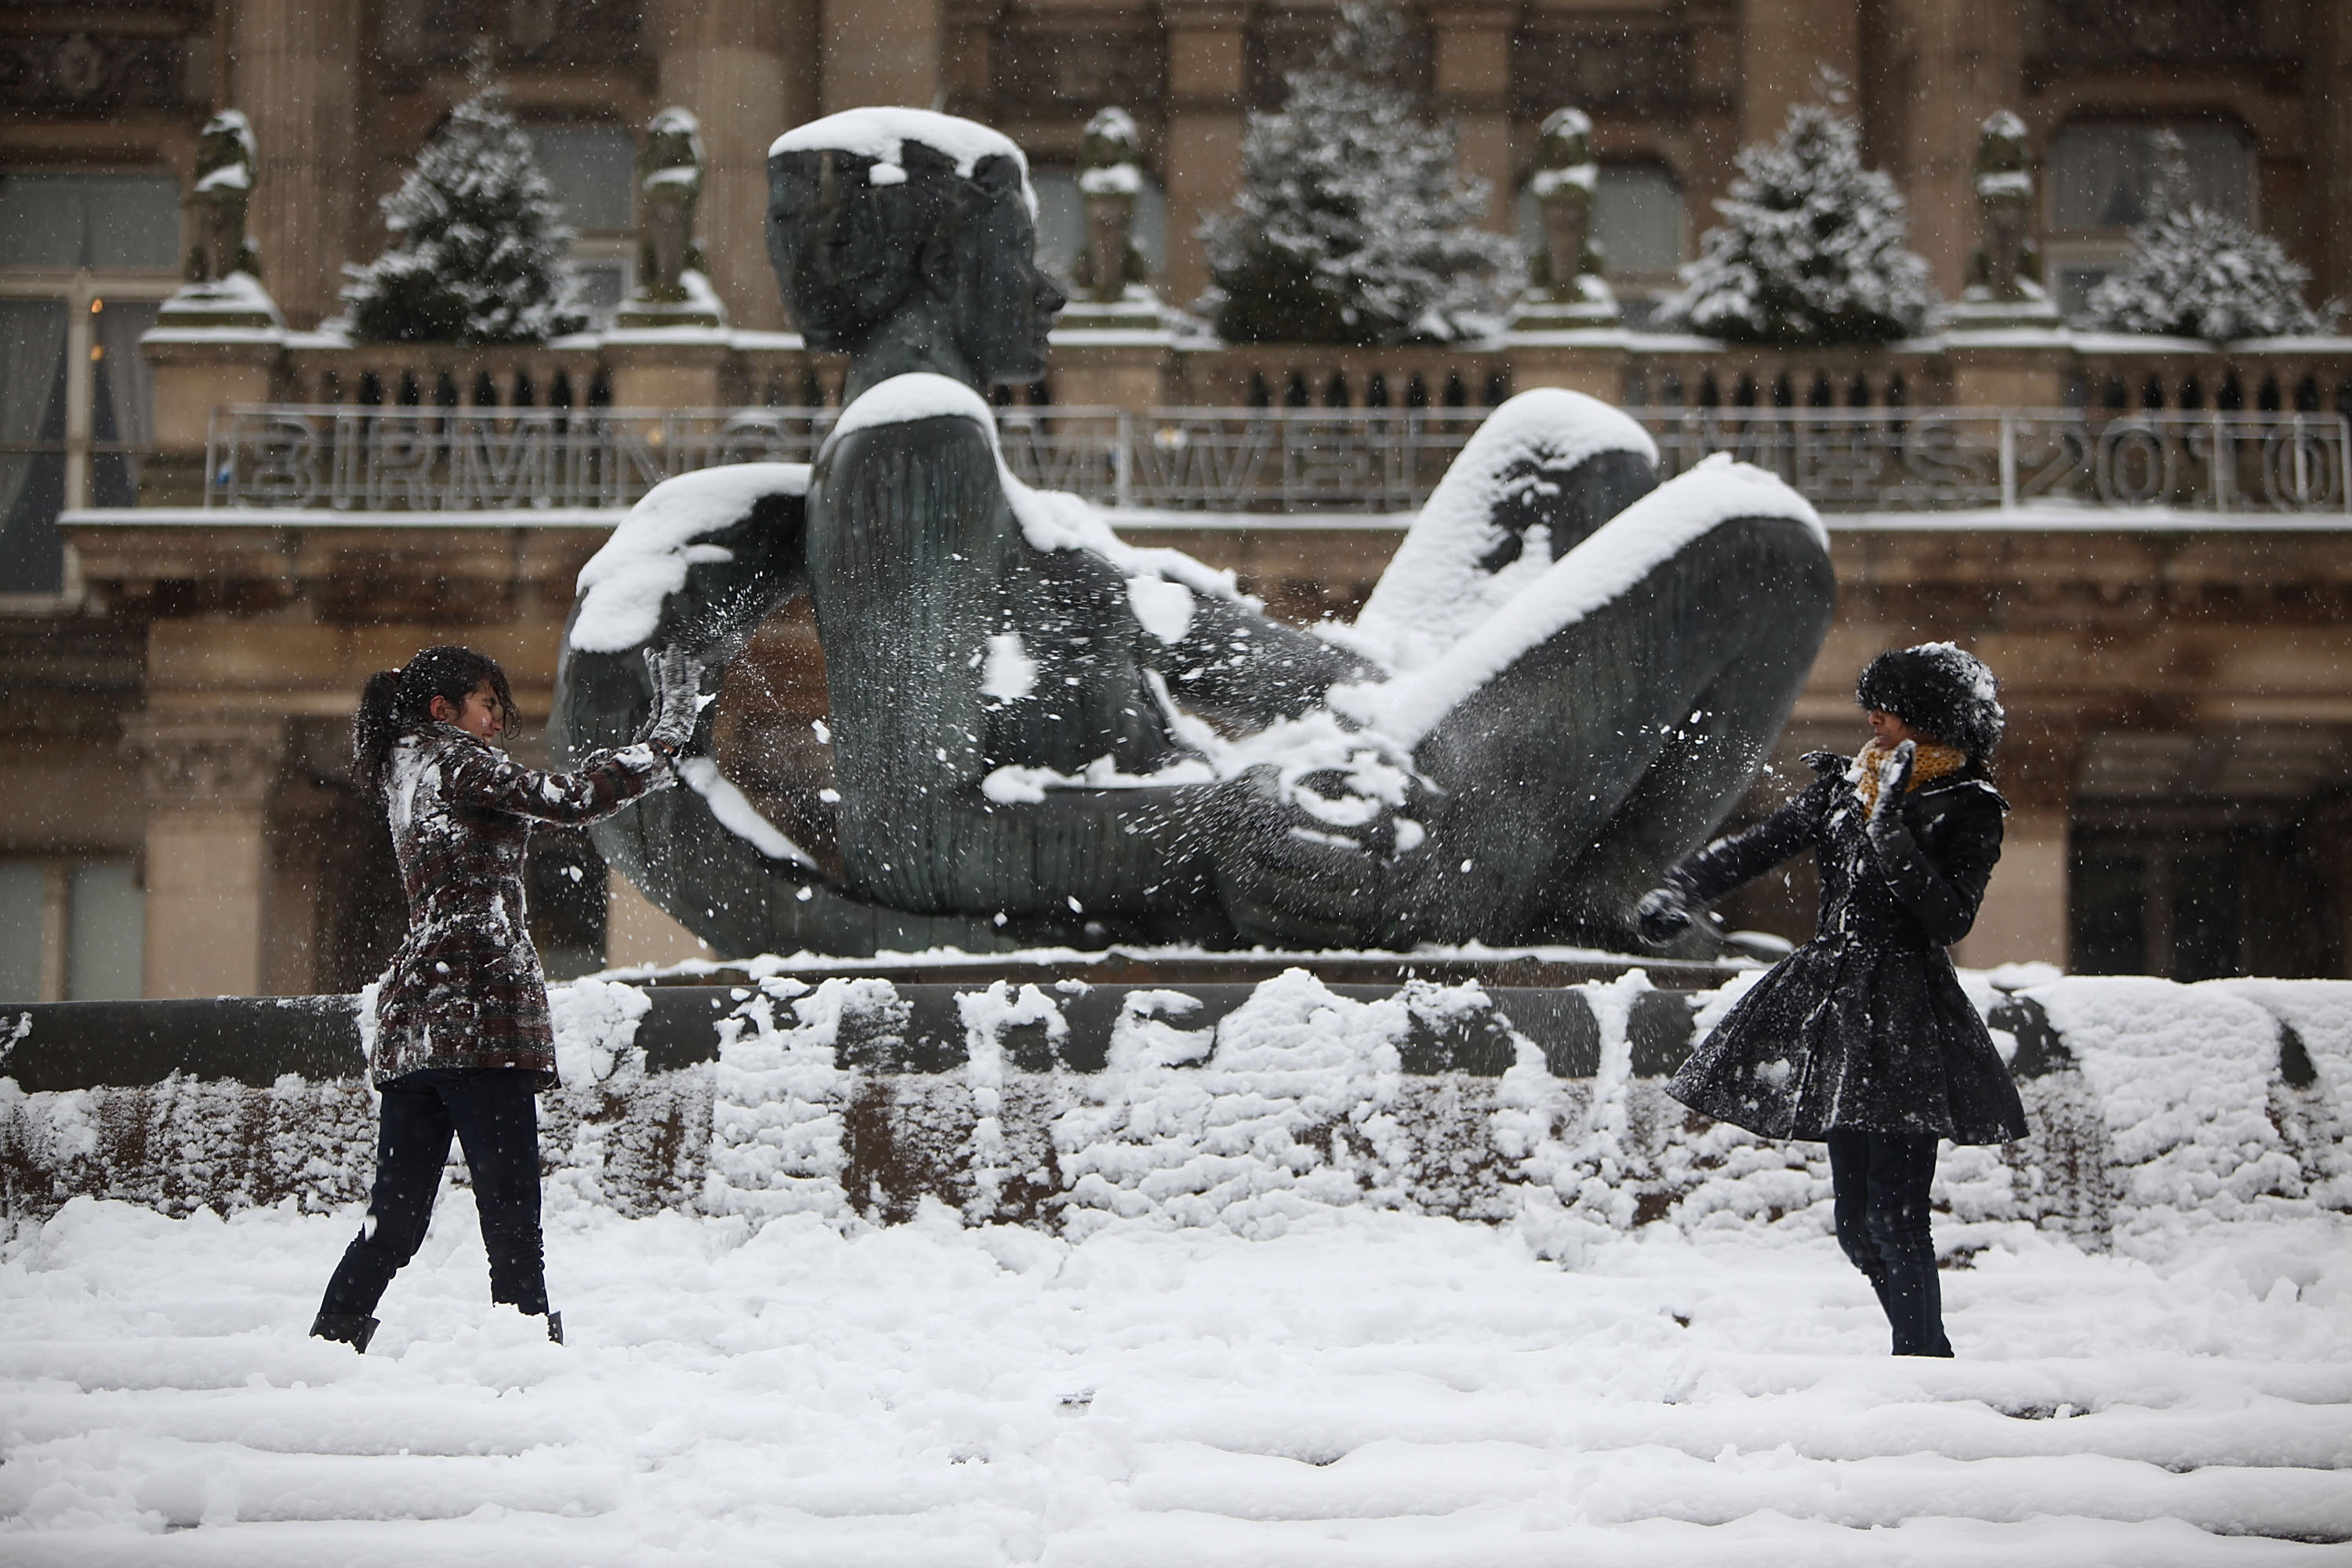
<point x="1864" y="1026"/>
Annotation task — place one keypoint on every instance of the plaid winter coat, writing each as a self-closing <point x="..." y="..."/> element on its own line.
<point x="465" y="989"/>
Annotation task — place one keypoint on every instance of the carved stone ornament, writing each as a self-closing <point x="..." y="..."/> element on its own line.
<point x="1565" y="286"/>
<point x="672" y="289"/>
<point x="2005" y="287"/>
<point x="1110" y="177"/>
<point x="1041" y="735"/>
<point x="224" y="265"/>
<point x="205" y="762"/>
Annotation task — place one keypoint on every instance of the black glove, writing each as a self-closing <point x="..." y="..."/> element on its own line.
<point x="1894" y="784"/>
<point x="1664" y="914"/>
<point x="678" y="699"/>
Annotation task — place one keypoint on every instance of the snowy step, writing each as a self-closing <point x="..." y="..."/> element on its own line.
<point x="1365" y="1388"/>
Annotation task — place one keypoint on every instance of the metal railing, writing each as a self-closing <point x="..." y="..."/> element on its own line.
<point x="1295" y="459"/>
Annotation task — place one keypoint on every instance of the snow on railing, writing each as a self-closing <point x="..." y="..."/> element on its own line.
<point x="1929" y="460"/>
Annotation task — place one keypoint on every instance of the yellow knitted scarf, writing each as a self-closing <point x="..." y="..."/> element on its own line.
<point x="1929" y="762"/>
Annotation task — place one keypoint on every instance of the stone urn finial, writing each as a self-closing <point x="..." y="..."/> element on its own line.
<point x="1566" y="289"/>
<point x="672" y="289"/>
<point x="2005" y="287"/>
<point x="1110" y="178"/>
<point x="224" y="265"/>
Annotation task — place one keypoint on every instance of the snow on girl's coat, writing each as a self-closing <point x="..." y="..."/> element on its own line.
<point x="466" y="990"/>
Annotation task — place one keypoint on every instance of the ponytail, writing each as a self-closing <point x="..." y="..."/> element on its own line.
<point x="397" y="702"/>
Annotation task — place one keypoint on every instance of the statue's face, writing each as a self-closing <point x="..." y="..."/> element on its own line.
<point x="1003" y="326"/>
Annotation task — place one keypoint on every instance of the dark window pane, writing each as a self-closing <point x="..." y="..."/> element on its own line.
<point x="125" y="221"/>
<point x="2110" y="914"/>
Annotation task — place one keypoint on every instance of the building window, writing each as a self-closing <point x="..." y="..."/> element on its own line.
<point x="1062" y="221"/>
<point x="593" y="170"/>
<point x="104" y="222"/>
<point x="71" y="931"/>
<point x="2101" y="178"/>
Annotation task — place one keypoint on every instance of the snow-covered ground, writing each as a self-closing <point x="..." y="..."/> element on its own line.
<point x="1368" y="1387"/>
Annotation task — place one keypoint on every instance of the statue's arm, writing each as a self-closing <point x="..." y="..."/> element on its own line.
<point x="1235" y="664"/>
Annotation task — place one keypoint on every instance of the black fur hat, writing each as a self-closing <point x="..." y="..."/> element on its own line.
<point x="1939" y="690"/>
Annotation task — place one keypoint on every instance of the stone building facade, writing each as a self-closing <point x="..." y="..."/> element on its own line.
<point x="174" y="813"/>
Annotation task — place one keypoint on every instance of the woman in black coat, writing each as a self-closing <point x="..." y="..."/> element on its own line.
<point x="1863" y="1037"/>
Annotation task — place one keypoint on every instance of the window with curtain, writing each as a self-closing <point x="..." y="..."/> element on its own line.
<point x="2101" y="175"/>
<point x="106" y="931"/>
<point x="2100" y="179"/>
<point x="32" y="442"/>
<point x="594" y="171"/>
<point x="24" y="897"/>
<point x="104" y="222"/>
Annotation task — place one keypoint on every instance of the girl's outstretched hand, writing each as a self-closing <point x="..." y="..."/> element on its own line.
<point x="1663" y="915"/>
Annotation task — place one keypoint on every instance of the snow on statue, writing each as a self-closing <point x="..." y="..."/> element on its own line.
<point x="1041" y="734"/>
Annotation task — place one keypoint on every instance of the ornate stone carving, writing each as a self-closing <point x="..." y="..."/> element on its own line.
<point x="93" y="74"/>
<point x="224" y="265"/>
<point x="2005" y="287"/>
<point x="1634" y="69"/>
<point x="672" y="290"/>
<point x="205" y="762"/>
<point x="1110" y="177"/>
<point x="1565" y="286"/>
<point x="1061" y="73"/>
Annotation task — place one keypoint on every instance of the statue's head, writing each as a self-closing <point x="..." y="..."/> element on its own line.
<point x="873" y="211"/>
<point x="673" y="142"/>
<point x="1565" y="141"/>
<point x="225" y="144"/>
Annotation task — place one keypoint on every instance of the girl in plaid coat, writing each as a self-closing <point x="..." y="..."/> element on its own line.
<point x="462" y="1040"/>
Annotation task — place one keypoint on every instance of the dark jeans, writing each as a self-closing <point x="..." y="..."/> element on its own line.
<point x="1880" y="1181"/>
<point x="492" y="1113"/>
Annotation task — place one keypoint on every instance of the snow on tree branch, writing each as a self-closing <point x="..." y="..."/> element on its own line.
<point x="2197" y="273"/>
<point x="1352" y="225"/>
<point x="1813" y="248"/>
<point x="477" y="242"/>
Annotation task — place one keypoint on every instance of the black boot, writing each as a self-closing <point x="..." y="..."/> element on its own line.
<point x="555" y="1327"/>
<point x="353" y="1328"/>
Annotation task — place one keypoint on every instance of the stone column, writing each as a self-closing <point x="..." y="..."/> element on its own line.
<point x="744" y="69"/>
<point x="2333" y="149"/>
<point x="637" y="931"/>
<point x="295" y="71"/>
<point x="882" y="52"/>
<point x="2027" y="914"/>
<point x="1783" y="44"/>
<point x="1949" y="64"/>
<point x="1474" y="90"/>
<point x="207" y="779"/>
<point x="1208" y="84"/>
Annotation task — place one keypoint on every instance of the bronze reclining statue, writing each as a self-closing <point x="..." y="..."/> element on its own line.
<point x="1040" y="734"/>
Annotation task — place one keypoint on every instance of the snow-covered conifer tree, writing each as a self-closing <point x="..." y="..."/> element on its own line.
<point x="1352" y="225"/>
<point x="2197" y="273"/>
<point x="1811" y="248"/>
<point x="477" y="242"/>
